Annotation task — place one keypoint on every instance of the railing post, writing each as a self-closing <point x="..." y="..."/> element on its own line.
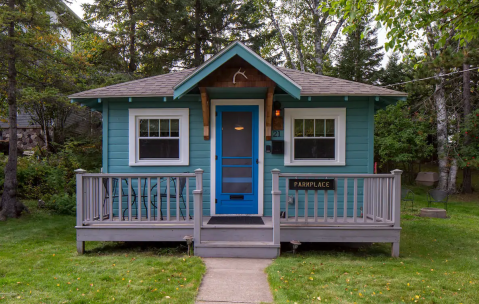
<point x="276" y="208"/>
<point x="198" y="206"/>
<point x="396" y="208"/>
<point x="79" y="189"/>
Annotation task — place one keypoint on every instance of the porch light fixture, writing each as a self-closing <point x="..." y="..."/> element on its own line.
<point x="277" y="108"/>
<point x="239" y="127"/>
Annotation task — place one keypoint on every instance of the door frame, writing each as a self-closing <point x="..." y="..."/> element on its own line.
<point x="237" y="102"/>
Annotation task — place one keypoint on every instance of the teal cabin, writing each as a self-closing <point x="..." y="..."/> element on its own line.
<point x="238" y="157"/>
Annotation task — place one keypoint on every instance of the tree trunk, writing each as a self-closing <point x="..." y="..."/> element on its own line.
<point x="451" y="187"/>
<point x="441" y="125"/>
<point x="132" y="48"/>
<point x="289" y="62"/>
<point x="298" y="48"/>
<point x="198" y="60"/>
<point x="9" y="206"/>
<point x="466" y="98"/>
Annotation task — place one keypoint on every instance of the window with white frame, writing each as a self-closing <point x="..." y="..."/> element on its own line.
<point x="315" y="137"/>
<point x="159" y="137"/>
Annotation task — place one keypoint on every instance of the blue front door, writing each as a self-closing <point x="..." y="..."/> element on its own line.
<point x="237" y="159"/>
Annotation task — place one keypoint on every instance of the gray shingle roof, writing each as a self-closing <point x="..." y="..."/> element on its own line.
<point x="311" y="85"/>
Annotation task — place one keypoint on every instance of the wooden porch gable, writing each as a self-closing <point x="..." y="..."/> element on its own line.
<point x="236" y="73"/>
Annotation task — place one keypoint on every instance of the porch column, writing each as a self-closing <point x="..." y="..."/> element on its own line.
<point x="198" y="207"/>
<point x="276" y="208"/>
<point x="79" y="189"/>
<point x="396" y="208"/>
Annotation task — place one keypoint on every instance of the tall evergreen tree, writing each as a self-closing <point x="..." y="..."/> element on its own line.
<point x="360" y="56"/>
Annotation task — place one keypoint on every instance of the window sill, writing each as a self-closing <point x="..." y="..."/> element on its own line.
<point x="315" y="163"/>
<point x="158" y="164"/>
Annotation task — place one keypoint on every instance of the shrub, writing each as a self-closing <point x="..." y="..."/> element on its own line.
<point x="61" y="203"/>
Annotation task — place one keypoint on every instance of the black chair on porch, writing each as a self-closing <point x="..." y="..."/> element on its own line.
<point x="171" y="195"/>
<point x="119" y="193"/>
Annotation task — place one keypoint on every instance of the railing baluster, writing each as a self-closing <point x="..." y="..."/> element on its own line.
<point x="138" y="203"/>
<point x="90" y="203"/>
<point x="286" y="195"/>
<point x="130" y="187"/>
<point x="306" y="206"/>
<point x="158" y="199"/>
<point x="335" y="214"/>
<point x="120" y="199"/>
<point x="178" y="199"/>
<point x="315" y="205"/>
<point x="168" y="199"/>
<point x="148" y="206"/>
<point x="345" y="207"/>
<point x="100" y="196"/>
<point x="355" y="207"/>
<point x="296" y="203"/>
<point x="325" y="206"/>
<point x="385" y="200"/>
<point x="365" y="197"/>
<point x="187" y="199"/>
<point x="110" y="196"/>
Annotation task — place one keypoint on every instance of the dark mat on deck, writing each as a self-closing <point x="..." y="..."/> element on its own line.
<point x="236" y="220"/>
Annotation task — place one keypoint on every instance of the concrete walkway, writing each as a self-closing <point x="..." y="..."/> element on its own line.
<point x="235" y="281"/>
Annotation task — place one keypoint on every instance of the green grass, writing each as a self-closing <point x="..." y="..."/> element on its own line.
<point x="39" y="264"/>
<point x="438" y="264"/>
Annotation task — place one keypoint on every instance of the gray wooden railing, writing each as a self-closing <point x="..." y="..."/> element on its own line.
<point x="137" y="198"/>
<point x="358" y="199"/>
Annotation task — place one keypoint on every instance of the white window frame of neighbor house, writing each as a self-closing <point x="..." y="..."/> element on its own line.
<point x="134" y="116"/>
<point x="339" y="116"/>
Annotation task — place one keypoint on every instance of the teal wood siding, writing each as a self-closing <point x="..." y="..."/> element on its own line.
<point x="118" y="145"/>
<point x="359" y="145"/>
<point x="359" y="156"/>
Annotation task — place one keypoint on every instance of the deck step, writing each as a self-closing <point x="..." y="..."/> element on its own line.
<point x="232" y="234"/>
<point x="223" y="249"/>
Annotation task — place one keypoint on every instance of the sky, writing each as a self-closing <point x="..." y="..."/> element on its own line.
<point x="75" y="5"/>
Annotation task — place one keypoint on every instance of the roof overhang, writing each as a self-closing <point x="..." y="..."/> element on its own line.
<point x="239" y="49"/>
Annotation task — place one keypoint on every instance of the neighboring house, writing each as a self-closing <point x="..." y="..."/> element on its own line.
<point x="241" y="155"/>
<point x="29" y="134"/>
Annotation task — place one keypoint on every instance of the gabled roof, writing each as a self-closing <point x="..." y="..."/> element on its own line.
<point x="294" y="82"/>
<point x="237" y="49"/>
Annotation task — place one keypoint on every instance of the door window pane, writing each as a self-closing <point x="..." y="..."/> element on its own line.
<point x="237" y="180"/>
<point x="237" y="134"/>
<point x="314" y="148"/>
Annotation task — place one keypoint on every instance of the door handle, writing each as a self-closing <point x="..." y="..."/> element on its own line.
<point x="257" y="162"/>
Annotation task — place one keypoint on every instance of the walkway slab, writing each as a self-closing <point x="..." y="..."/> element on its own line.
<point x="235" y="281"/>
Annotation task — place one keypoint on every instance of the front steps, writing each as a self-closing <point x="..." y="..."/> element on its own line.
<point x="238" y="249"/>
<point x="237" y="241"/>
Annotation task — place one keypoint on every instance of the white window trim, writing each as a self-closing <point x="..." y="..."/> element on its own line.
<point x="338" y="114"/>
<point x="178" y="113"/>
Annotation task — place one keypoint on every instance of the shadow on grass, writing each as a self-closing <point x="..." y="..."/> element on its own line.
<point x="331" y="249"/>
<point x="153" y="248"/>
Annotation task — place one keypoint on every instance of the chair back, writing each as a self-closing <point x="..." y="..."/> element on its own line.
<point x="182" y="181"/>
<point x="439" y="195"/>
<point x="405" y="193"/>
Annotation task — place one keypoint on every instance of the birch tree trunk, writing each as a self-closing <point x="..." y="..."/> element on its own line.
<point x="289" y="62"/>
<point x="298" y="48"/>
<point x="441" y="125"/>
<point x="451" y="187"/>
<point x="466" y="97"/>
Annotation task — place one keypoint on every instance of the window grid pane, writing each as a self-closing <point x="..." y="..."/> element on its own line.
<point x="316" y="139"/>
<point x="298" y="128"/>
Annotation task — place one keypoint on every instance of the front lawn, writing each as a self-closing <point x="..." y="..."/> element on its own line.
<point x="39" y="264"/>
<point x="438" y="264"/>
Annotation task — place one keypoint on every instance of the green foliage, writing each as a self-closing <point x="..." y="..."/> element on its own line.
<point x="400" y="137"/>
<point x="360" y="57"/>
<point x="468" y="154"/>
<point x="52" y="178"/>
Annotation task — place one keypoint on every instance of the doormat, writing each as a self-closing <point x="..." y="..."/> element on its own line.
<point x="236" y="220"/>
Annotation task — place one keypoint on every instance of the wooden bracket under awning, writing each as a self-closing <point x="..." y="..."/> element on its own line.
<point x="205" y="105"/>
<point x="268" y="105"/>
